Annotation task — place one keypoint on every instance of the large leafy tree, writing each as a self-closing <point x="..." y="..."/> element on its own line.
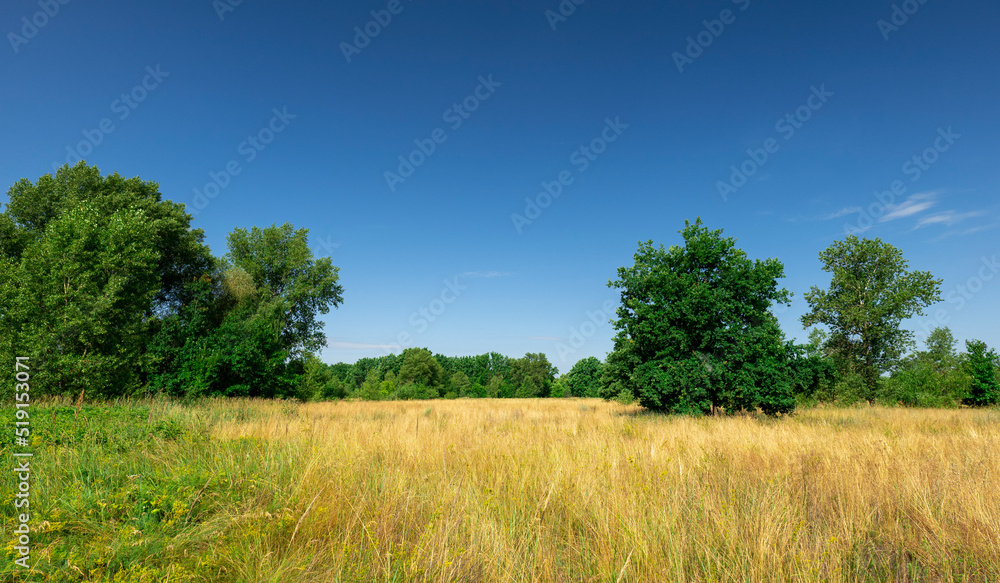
<point x="76" y="297"/>
<point x="281" y="266"/>
<point x="251" y="322"/>
<point x="181" y="253"/>
<point x="870" y="294"/>
<point x="87" y="263"/>
<point x="695" y="329"/>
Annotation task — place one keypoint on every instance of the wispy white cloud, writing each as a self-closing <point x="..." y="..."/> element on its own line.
<point x="969" y="231"/>
<point x="842" y="212"/>
<point x="485" y="274"/>
<point x="947" y="218"/>
<point x="914" y="204"/>
<point x="980" y="228"/>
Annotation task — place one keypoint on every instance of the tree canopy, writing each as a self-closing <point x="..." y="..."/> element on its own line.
<point x="109" y="289"/>
<point x="871" y="292"/>
<point x="695" y="329"/>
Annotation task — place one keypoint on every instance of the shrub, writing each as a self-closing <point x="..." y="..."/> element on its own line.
<point x="981" y="366"/>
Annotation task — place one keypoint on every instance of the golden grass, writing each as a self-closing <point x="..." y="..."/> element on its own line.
<point x="582" y="490"/>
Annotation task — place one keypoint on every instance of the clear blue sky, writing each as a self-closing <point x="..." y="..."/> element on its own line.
<point x="178" y="91"/>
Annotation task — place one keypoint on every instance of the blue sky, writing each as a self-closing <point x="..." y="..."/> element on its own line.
<point x="787" y="124"/>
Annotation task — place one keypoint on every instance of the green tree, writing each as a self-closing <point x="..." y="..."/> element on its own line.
<point x="495" y="387"/>
<point x="459" y="385"/>
<point x="250" y="322"/>
<point x="532" y="375"/>
<point x="870" y="293"/>
<point x="281" y="265"/>
<point x="695" y="329"/>
<point x="584" y="379"/>
<point x="85" y="301"/>
<point x="813" y="374"/>
<point x="420" y="366"/>
<point x="76" y="300"/>
<point x="316" y="381"/>
<point x="370" y="389"/>
<point x="982" y="367"/>
<point x="180" y="250"/>
<point x="940" y="345"/>
<point x="559" y="389"/>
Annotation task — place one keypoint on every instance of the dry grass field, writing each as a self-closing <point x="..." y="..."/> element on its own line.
<point x="550" y="490"/>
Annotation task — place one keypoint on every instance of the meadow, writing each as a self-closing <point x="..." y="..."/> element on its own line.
<point x="505" y="490"/>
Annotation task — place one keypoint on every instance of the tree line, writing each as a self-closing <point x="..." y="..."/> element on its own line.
<point x="108" y="290"/>
<point x="696" y="333"/>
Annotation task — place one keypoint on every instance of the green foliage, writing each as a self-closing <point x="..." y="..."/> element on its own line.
<point x="584" y="379"/>
<point x="981" y="366"/>
<point x="625" y="397"/>
<point x="919" y="384"/>
<point x="419" y="366"/>
<point x="459" y="384"/>
<point x="371" y="388"/>
<point x="110" y="291"/>
<point x="316" y="381"/>
<point x="870" y="293"/>
<point x="414" y="391"/>
<point x="497" y="388"/>
<point x="180" y="251"/>
<point x="695" y="330"/>
<point x="934" y="377"/>
<point x="217" y="346"/>
<point x="559" y="390"/>
<point x="86" y="262"/>
<point x="532" y="375"/>
<point x="813" y="374"/>
<point x="281" y="266"/>
<point x="250" y="326"/>
<point x="82" y="288"/>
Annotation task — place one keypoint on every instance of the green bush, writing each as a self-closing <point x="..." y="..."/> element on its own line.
<point x="981" y="366"/>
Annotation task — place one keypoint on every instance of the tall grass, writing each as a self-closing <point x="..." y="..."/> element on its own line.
<point x="522" y="490"/>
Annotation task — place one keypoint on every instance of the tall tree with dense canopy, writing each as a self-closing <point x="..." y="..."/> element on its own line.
<point x="870" y="294"/>
<point x="251" y="321"/>
<point x="87" y="264"/>
<point x="281" y="266"/>
<point x="695" y="329"/>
